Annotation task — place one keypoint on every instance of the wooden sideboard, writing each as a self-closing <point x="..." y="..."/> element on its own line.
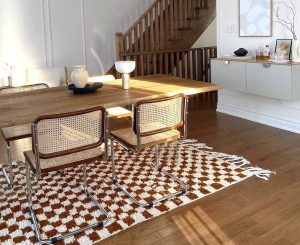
<point x="259" y="77"/>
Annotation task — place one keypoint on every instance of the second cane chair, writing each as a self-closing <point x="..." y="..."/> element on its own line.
<point x="64" y="141"/>
<point x="16" y="132"/>
<point x="154" y="122"/>
<point x="11" y="90"/>
<point x="115" y="112"/>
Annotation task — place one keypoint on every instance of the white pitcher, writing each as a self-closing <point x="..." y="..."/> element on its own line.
<point x="80" y="76"/>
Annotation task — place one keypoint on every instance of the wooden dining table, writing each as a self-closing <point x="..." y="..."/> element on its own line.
<point x="21" y="108"/>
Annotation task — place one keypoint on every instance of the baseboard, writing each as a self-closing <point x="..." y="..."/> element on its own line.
<point x="259" y="118"/>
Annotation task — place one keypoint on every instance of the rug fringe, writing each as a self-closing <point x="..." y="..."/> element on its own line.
<point x="195" y="144"/>
<point x="237" y="160"/>
<point x="260" y="173"/>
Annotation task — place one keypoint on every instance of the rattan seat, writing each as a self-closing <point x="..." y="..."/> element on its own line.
<point x="16" y="132"/>
<point x="128" y="137"/>
<point x="118" y="112"/>
<point x="57" y="163"/>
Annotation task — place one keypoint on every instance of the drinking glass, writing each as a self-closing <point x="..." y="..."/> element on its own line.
<point x="272" y="56"/>
<point x="281" y="56"/>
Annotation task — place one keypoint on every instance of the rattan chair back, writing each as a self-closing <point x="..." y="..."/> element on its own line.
<point x="159" y="115"/>
<point x="10" y="90"/>
<point x="63" y="134"/>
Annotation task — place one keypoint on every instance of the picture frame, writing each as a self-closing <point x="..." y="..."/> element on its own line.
<point x="255" y="18"/>
<point x="285" y="44"/>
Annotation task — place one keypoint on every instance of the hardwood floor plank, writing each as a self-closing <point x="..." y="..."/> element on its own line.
<point x="293" y="237"/>
<point x="283" y="241"/>
<point x="284" y="226"/>
<point x="272" y="228"/>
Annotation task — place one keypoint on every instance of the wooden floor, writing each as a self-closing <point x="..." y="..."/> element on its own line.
<point x="251" y="212"/>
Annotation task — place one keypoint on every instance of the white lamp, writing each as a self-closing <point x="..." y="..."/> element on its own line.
<point x="125" y="67"/>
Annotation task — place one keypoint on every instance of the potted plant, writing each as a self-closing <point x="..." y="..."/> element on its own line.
<point x="289" y="23"/>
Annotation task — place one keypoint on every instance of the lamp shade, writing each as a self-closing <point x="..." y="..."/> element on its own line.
<point x="125" y="67"/>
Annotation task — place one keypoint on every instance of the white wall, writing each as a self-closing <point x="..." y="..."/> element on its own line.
<point x="227" y="13"/>
<point x="209" y="36"/>
<point x="37" y="33"/>
<point x="277" y="113"/>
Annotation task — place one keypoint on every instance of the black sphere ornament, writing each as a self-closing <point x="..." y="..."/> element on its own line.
<point x="241" y="52"/>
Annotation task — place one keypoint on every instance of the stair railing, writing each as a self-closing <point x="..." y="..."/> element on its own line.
<point x="187" y="63"/>
<point x="159" y="25"/>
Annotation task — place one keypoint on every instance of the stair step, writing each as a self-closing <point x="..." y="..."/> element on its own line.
<point x="175" y="39"/>
<point x="185" y="28"/>
<point x="201" y="8"/>
<point x="194" y="18"/>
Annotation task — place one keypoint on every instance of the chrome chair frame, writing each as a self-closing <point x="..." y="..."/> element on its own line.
<point x="10" y="176"/>
<point x="157" y="158"/>
<point x="85" y="187"/>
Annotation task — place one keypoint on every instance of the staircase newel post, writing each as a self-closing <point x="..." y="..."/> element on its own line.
<point x="119" y="48"/>
<point x="206" y="4"/>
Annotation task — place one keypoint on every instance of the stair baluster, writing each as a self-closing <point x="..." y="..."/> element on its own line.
<point x="160" y="40"/>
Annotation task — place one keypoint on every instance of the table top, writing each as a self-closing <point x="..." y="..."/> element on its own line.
<point x="24" y="107"/>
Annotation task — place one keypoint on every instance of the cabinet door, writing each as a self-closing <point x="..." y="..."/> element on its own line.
<point x="230" y="76"/>
<point x="274" y="81"/>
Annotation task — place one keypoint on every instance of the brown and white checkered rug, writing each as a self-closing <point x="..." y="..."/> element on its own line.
<point x="61" y="205"/>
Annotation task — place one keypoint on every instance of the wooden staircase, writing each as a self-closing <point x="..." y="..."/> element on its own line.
<point x="160" y="40"/>
<point x="168" y="25"/>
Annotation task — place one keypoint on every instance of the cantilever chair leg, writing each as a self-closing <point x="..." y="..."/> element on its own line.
<point x="56" y="239"/>
<point x="10" y="176"/>
<point x="149" y="204"/>
<point x="8" y="171"/>
<point x="29" y="186"/>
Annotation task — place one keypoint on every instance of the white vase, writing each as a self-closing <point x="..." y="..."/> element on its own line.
<point x="79" y="76"/>
<point x="10" y="82"/>
<point x="296" y="51"/>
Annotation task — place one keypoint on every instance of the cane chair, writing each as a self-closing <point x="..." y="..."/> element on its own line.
<point x="63" y="141"/>
<point x="10" y="90"/>
<point x="115" y="112"/>
<point x="154" y="122"/>
<point x="52" y="76"/>
<point x="16" y="132"/>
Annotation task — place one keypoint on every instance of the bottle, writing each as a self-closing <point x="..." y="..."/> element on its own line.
<point x="259" y="53"/>
<point x="266" y="53"/>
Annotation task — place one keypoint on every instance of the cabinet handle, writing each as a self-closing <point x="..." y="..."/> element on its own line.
<point x="266" y="65"/>
<point x="226" y="62"/>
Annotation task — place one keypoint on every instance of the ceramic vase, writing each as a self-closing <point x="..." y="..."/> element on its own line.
<point x="79" y="76"/>
<point x="10" y="82"/>
<point x="296" y="51"/>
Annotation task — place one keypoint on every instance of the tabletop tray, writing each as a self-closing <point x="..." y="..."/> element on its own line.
<point x="89" y="88"/>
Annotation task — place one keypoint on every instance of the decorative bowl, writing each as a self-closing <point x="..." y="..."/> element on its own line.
<point x="89" y="88"/>
<point x="125" y="67"/>
<point x="241" y="52"/>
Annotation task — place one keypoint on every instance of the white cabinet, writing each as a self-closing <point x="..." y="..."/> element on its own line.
<point x="269" y="80"/>
<point x="230" y="76"/>
<point x="280" y="81"/>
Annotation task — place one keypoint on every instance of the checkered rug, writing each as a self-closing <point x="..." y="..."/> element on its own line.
<point x="61" y="205"/>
